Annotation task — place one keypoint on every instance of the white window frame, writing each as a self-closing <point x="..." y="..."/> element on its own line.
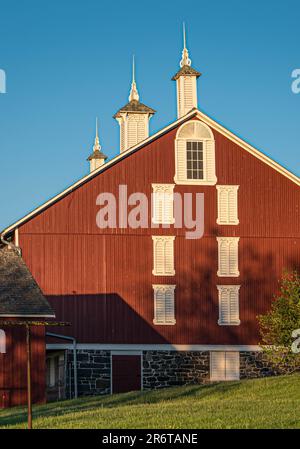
<point x="232" y="244"/>
<point x="205" y="141"/>
<point x="164" y="289"/>
<point x="164" y="240"/>
<point x="163" y="193"/>
<point x="229" y="289"/>
<point x="227" y="189"/>
<point x="224" y="357"/>
<point x="2" y="342"/>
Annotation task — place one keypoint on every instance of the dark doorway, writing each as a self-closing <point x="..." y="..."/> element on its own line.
<point x="126" y="373"/>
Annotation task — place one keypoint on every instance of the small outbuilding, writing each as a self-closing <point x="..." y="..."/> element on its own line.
<point x="20" y="300"/>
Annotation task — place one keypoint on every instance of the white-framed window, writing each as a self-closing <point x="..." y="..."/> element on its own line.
<point x="195" y="154"/>
<point x="229" y="314"/>
<point x="164" y="304"/>
<point x="163" y="255"/>
<point x="228" y="256"/>
<point x="227" y="205"/>
<point x="224" y="365"/>
<point x="2" y="342"/>
<point x="163" y="203"/>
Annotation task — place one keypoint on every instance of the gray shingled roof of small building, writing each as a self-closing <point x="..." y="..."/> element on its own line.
<point x="135" y="106"/>
<point x="20" y="295"/>
<point x="186" y="70"/>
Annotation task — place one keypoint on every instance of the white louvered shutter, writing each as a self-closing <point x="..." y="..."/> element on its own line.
<point x="181" y="174"/>
<point x="233" y="257"/>
<point x="210" y="161"/>
<point x="163" y="203"/>
<point x="163" y="256"/>
<point x="159" y="306"/>
<point x="234" y="306"/>
<point x="228" y="305"/>
<point x="228" y="205"/>
<point x="228" y="256"/>
<point x="164" y="307"/>
<point x="232" y="363"/>
<point x="224" y="306"/>
<point x="217" y="366"/>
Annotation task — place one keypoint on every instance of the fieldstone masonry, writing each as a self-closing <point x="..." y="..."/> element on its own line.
<point x="93" y="372"/>
<point x="160" y="369"/>
<point x="170" y="368"/>
<point x="254" y="364"/>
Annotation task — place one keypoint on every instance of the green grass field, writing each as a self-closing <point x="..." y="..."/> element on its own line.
<point x="259" y="403"/>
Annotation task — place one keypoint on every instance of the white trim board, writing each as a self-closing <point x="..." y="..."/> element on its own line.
<point x="194" y="112"/>
<point x="159" y="347"/>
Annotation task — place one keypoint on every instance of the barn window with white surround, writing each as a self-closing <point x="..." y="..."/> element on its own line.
<point x="227" y="205"/>
<point x="195" y="154"/>
<point x="164" y="304"/>
<point x="224" y="365"/>
<point x="229" y="314"/>
<point x="162" y="203"/>
<point x="2" y="342"/>
<point x="228" y="256"/>
<point x="163" y="255"/>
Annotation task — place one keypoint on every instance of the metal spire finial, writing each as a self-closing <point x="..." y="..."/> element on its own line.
<point x="134" y="95"/>
<point x="185" y="60"/>
<point x="97" y="146"/>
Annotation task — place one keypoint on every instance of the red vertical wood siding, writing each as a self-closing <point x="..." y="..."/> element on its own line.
<point x="101" y="280"/>
<point x="13" y="365"/>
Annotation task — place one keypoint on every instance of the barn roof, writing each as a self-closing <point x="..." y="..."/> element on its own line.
<point x="20" y="295"/>
<point x="135" y="106"/>
<point x="193" y="113"/>
<point x="186" y="70"/>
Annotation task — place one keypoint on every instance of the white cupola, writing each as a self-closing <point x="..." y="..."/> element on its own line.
<point x="186" y="83"/>
<point x="97" y="158"/>
<point x="133" y="118"/>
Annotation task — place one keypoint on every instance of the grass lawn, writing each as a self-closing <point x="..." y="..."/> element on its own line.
<point x="260" y="403"/>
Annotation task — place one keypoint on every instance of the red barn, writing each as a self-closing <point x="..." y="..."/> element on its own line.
<point x="163" y="257"/>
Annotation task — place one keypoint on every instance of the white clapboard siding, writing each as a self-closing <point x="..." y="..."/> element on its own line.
<point x="163" y="255"/>
<point x="164" y="304"/>
<point x="224" y="365"/>
<point x="228" y="205"/>
<point x="228" y="305"/>
<point x="163" y="203"/>
<point x="228" y="256"/>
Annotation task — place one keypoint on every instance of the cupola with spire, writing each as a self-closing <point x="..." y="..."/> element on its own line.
<point x="186" y="82"/>
<point x="97" y="158"/>
<point x="133" y="118"/>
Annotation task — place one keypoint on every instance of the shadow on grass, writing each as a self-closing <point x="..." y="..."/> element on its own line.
<point x="18" y="416"/>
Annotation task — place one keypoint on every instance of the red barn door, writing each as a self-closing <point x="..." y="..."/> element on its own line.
<point x="126" y="373"/>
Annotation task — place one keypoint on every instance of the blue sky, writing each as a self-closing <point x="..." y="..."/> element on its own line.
<point x="67" y="62"/>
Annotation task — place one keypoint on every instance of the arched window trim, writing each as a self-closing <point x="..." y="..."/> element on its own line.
<point x="2" y="342"/>
<point x="208" y="156"/>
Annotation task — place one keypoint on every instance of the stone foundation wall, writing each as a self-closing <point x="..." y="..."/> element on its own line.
<point x="160" y="369"/>
<point x="170" y="368"/>
<point x="253" y="365"/>
<point x="93" y="372"/>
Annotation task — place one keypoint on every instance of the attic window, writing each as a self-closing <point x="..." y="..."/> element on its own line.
<point x="195" y="154"/>
<point x="2" y="342"/>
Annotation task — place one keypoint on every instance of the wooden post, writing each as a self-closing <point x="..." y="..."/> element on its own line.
<point x="29" y="399"/>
